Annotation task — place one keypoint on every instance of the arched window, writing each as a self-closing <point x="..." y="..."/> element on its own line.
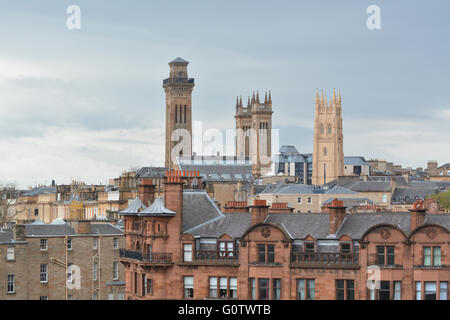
<point x="325" y="151"/>
<point x="329" y="129"/>
<point x="321" y="129"/>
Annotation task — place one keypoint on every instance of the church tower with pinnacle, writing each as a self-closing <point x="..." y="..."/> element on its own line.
<point x="178" y="88"/>
<point x="328" y="151"/>
<point x="253" y="132"/>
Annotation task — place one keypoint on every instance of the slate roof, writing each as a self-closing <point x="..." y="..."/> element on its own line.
<point x="292" y="189"/>
<point x="157" y="208"/>
<point x="288" y="149"/>
<point x="135" y="207"/>
<point x="49" y="230"/>
<point x="233" y="224"/>
<point x="349" y="203"/>
<point x="409" y="195"/>
<point x="299" y="225"/>
<point x="222" y="172"/>
<point x="356" y="161"/>
<point x="355" y="225"/>
<point x="151" y="172"/>
<point x="6" y="236"/>
<point x="179" y="60"/>
<point x="368" y="186"/>
<point x="105" y="229"/>
<point x="38" y="191"/>
<point x="198" y="208"/>
<point x="445" y="166"/>
<point x="340" y="190"/>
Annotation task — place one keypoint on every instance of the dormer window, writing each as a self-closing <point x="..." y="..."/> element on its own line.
<point x="346" y="248"/>
<point x="309" y="247"/>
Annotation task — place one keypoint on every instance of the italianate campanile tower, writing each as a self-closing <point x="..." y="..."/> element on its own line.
<point x="178" y="88"/>
<point x="328" y="153"/>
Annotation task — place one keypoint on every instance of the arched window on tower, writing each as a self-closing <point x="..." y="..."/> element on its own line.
<point x="329" y="129"/>
<point x="321" y="128"/>
<point x="325" y="151"/>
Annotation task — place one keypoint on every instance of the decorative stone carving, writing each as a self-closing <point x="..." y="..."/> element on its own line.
<point x="265" y="232"/>
<point x="432" y="233"/>
<point x="385" y="233"/>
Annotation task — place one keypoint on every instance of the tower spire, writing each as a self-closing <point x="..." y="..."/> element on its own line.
<point x="257" y="96"/>
<point x="265" y="97"/>
<point x="270" y="97"/>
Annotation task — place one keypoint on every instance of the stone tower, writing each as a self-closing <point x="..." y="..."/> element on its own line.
<point x="328" y="153"/>
<point x="253" y="132"/>
<point x="178" y="88"/>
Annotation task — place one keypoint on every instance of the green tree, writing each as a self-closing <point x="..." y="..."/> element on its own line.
<point x="443" y="198"/>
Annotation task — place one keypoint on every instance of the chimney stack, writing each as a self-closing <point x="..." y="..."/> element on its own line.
<point x="417" y="214"/>
<point x="19" y="232"/>
<point x="336" y="211"/>
<point x="147" y="192"/>
<point x="259" y="211"/>
<point x="83" y="227"/>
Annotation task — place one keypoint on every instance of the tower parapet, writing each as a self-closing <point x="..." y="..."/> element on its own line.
<point x="253" y="131"/>
<point x="328" y="153"/>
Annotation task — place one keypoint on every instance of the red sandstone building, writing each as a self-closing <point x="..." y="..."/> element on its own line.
<point x="184" y="247"/>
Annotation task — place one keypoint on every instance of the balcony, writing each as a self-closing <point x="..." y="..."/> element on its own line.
<point x="215" y="257"/>
<point x="149" y="258"/>
<point x="178" y="81"/>
<point x="324" y="260"/>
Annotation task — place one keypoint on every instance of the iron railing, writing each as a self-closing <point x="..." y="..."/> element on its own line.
<point x="324" y="259"/>
<point x="178" y="80"/>
<point x="216" y="255"/>
<point x="156" y="257"/>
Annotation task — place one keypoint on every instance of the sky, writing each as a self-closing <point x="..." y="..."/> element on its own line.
<point x="88" y="103"/>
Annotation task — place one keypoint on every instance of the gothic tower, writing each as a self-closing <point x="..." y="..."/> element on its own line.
<point x="253" y="132"/>
<point x="178" y="88"/>
<point x="328" y="152"/>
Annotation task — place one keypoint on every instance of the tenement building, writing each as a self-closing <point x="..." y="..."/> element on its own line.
<point x="184" y="247"/>
<point x="61" y="261"/>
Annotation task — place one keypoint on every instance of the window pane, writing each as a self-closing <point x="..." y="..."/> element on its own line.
<point x="418" y="290"/>
<point x="427" y="256"/>
<point x="390" y="256"/>
<point x="270" y="253"/>
<point x="301" y="289"/>
<point x="261" y="253"/>
<point x="437" y="256"/>
<point x="253" y="288"/>
<point x="311" y="290"/>
<point x="276" y="289"/>
<point x="350" y="290"/>
<point x="443" y="291"/>
<point x="430" y="290"/>
<point x="188" y="252"/>
<point x="384" y="290"/>
<point x="263" y="289"/>
<point x="213" y="287"/>
<point x="380" y="255"/>
<point x="340" y="290"/>
<point x="397" y="290"/>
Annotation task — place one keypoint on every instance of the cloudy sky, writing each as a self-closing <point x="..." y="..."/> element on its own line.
<point x="88" y="104"/>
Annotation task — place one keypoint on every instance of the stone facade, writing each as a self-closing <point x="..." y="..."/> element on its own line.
<point x="328" y="149"/>
<point x="258" y="254"/>
<point x="254" y="132"/>
<point x="29" y="256"/>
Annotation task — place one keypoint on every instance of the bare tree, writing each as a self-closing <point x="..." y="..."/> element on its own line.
<point x="8" y="196"/>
